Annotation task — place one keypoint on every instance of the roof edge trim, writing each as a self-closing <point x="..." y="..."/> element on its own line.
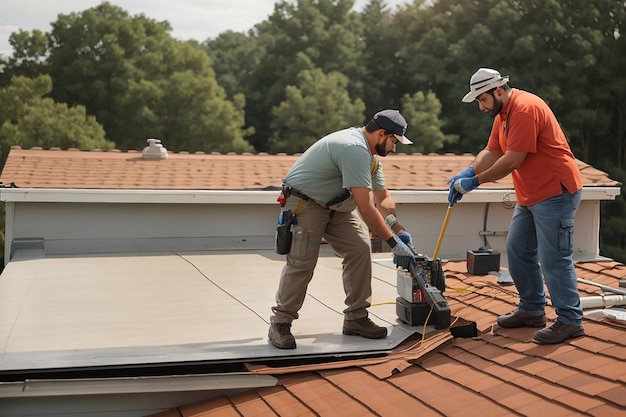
<point x="133" y="385"/>
<point x="59" y="195"/>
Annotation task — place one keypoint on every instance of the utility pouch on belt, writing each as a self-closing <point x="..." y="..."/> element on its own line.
<point x="283" y="232"/>
<point x="344" y="202"/>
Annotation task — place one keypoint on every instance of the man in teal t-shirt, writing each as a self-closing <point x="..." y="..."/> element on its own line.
<point x="338" y="175"/>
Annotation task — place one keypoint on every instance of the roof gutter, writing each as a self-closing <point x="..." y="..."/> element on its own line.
<point x="61" y="195"/>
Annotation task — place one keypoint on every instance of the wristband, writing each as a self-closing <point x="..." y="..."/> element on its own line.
<point x="392" y="242"/>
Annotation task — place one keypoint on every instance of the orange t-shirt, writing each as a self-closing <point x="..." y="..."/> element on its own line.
<point x="528" y="125"/>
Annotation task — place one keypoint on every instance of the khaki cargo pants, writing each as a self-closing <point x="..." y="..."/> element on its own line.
<point x="345" y="232"/>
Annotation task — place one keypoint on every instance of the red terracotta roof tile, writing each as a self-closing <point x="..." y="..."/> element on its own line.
<point x="606" y="410"/>
<point x="615" y="395"/>
<point x="528" y="407"/>
<point x="572" y="357"/>
<point x="528" y="382"/>
<point x="557" y="373"/>
<point x="251" y="404"/>
<point x="610" y="371"/>
<point x="379" y="396"/>
<point x="589" y="384"/>
<point x="221" y="406"/>
<point x="617" y="352"/>
<point x="283" y="402"/>
<point x="579" y="401"/>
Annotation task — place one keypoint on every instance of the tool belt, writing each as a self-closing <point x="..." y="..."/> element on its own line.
<point x="287" y="191"/>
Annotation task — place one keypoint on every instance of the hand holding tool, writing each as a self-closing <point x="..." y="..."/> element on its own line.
<point x="453" y="195"/>
<point x="398" y="247"/>
<point x="465" y="185"/>
<point x="406" y="238"/>
<point x="466" y="173"/>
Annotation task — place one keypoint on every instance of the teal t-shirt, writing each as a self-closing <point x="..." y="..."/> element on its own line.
<point x="336" y="162"/>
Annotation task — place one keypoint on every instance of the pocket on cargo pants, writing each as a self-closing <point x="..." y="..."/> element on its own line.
<point x="566" y="234"/>
<point x="299" y="242"/>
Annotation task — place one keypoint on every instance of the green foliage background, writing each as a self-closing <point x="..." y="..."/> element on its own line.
<point x="103" y="78"/>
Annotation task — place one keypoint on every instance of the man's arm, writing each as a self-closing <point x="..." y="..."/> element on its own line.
<point x="376" y="223"/>
<point x="386" y="205"/>
<point x="370" y="214"/>
<point x="491" y="165"/>
<point x="485" y="159"/>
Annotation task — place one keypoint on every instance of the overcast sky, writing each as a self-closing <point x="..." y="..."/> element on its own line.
<point x="190" y="19"/>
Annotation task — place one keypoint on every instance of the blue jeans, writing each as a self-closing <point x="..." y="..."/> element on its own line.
<point x="540" y="240"/>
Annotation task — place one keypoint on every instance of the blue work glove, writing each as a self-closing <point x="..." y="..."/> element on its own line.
<point x="402" y="260"/>
<point x="465" y="185"/>
<point x="406" y="238"/>
<point x="453" y="195"/>
<point x="466" y="173"/>
<point x="398" y="247"/>
<point x="402" y="254"/>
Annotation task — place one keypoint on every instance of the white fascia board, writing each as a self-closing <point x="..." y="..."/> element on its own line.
<point x="601" y="193"/>
<point x="52" y="195"/>
<point x="476" y="196"/>
<point x="491" y="195"/>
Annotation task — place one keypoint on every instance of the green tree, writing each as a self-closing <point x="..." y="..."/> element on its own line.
<point x="92" y="61"/>
<point x="608" y="99"/>
<point x="234" y="57"/>
<point x="139" y="82"/>
<point x="178" y="100"/>
<point x="421" y="112"/>
<point x="317" y="106"/>
<point x="562" y="43"/>
<point x="29" y="56"/>
<point x="28" y="119"/>
<point x="379" y="59"/>
<point x="442" y="43"/>
<point x="306" y="34"/>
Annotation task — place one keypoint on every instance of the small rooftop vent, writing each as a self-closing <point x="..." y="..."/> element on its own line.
<point x="154" y="150"/>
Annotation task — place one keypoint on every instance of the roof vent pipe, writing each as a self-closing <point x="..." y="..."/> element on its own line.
<point x="154" y="150"/>
<point x="602" y="301"/>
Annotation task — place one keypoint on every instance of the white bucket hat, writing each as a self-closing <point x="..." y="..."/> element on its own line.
<point x="484" y="80"/>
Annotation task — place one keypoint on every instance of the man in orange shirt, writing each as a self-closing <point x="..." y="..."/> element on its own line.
<point x="527" y="142"/>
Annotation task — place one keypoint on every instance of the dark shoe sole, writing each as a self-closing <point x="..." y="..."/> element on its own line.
<point x="574" y="335"/>
<point x="278" y="345"/>
<point x="538" y="323"/>
<point x="351" y="332"/>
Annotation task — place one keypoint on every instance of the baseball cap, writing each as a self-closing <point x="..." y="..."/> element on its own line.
<point x="392" y="121"/>
<point x="484" y="80"/>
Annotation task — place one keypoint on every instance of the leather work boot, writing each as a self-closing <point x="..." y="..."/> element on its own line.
<point x="558" y="333"/>
<point x="280" y="336"/>
<point x="517" y="319"/>
<point x="364" y="327"/>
